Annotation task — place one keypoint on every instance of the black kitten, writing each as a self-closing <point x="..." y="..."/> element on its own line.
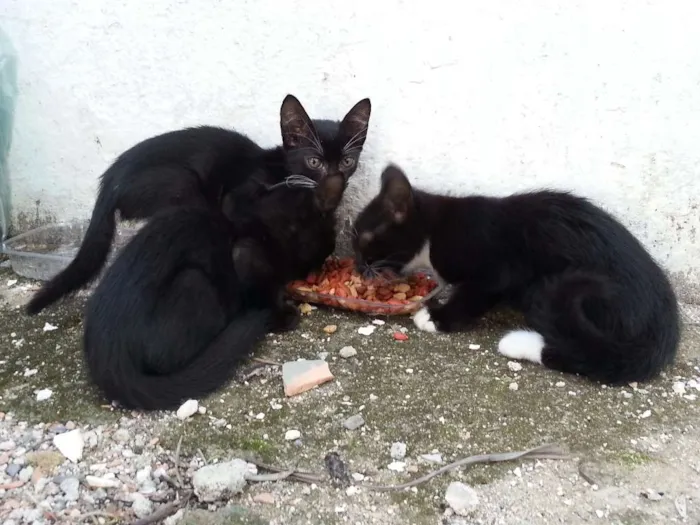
<point x="193" y="293"/>
<point x="199" y="166"/>
<point x="597" y="303"/>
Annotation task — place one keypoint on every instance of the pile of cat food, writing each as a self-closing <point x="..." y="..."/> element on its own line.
<point x="340" y="285"/>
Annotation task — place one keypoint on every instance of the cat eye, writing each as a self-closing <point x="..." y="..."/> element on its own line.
<point x="347" y="162"/>
<point x="313" y="162"/>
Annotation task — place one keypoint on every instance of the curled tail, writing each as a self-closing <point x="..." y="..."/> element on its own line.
<point x="577" y="327"/>
<point x="209" y="371"/>
<point x="88" y="261"/>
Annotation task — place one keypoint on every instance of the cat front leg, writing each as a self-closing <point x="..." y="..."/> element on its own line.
<point x="286" y="316"/>
<point x="464" y="307"/>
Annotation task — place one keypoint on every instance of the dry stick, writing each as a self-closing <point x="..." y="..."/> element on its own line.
<point x="278" y="476"/>
<point x="266" y="361"/>
<point x="298" y="475"/>
<point x="541" y="452"/>
<point x="176" y="460"/>
<point x="164" y="511"/>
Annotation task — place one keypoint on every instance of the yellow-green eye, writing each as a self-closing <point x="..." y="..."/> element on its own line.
<point x="313" y="162"/>
<point x="347" y="162"/>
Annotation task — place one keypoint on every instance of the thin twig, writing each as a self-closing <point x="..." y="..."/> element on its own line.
<point x="266" y="361"/>
<point x="176" y="460"/>
<point x="541" y="452"/>
<point x="298" y="475"/>
<point x="277" y="476"/>
<point x="201" y="455"/>
<point x="98" y="514"/>
<point x="585" y="475"/>
<point x="164" y="511"/>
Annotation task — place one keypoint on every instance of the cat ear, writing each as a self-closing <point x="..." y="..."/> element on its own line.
<point x="297" y="129"/>
<point x="396" y="193"/>
<point x="355" y="124"/>
<point x="329" y="192"/>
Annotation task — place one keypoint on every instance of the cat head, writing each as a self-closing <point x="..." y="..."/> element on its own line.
<point x="389" y="232"/>
<point x="326" y="151"/>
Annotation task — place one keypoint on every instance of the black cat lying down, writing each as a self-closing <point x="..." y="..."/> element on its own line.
<point x="193" y="293"/>
<point x="198" y="167"/>
<point x="595" y="301"/>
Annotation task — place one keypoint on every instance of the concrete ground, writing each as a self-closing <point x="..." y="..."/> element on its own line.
<point x="435" y="393"/>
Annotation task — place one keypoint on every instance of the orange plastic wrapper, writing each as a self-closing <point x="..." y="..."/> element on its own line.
<point x="340" y="285"/>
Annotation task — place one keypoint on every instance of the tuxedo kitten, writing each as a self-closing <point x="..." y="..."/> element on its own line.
<point x="192" y="294"/>
<point x="201" y="166"/>
<point x="596" y="302"/>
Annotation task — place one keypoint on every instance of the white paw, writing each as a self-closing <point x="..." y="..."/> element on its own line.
<point x="522" y="344"/>
<point x="423" y="321"/>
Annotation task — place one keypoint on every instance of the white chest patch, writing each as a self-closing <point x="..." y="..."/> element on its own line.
<point x="421" y="261"/>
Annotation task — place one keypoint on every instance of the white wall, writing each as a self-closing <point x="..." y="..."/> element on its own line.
<point x="601" y="97"/>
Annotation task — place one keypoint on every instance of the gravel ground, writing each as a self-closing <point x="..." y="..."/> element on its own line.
<point x="635" y="451"/>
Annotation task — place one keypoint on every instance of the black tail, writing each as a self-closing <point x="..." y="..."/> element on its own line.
<point x="588" y="330"/>
<point x="90" y="258"/>
<point x="210" y="370"/>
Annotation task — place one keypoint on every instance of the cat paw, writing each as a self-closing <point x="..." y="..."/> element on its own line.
<point x="522" y="345"/>
<point x="286" y="319"/>
<point x="423" y="321"/>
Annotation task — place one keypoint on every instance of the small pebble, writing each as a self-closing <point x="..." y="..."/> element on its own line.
<point x="121" y="435"/>
<point x="400" y="336"/>
<point x="357" y="476"/>
<point x="461" y="498"/>
<point x="13" y="469"/>
<point x="291" y="435"/>
<point x="513" y="386"/>
<point x="560" y="384"/>
<point x="48" y="327"/>
<point x="515" y="366"/>
<point x="70" y="488"/>
<point x="397" y="466"/>
<point x="378" y="322"/>
<point x="645" y="414"/>
<point x="141" y="506"/>
<point x="366" y="330"/>
<point x="330" y="329"/>
<point x="347" y="352"/>
<point x="354" y="422"/>
<point x="398" y="450"/>
<point x="43" y="394"/>
<point x="187" y="409"/>
<point x="264" y="497"/>
<point x="474" y="346"/>
<point x="352" y="490"/>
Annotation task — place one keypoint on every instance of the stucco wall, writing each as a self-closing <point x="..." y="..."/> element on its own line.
<point x="600" y="97"/>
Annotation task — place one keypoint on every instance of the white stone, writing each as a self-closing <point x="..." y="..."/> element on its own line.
<point x="432" y="458"/>
<point x="366" y="330"/>
<point x="141" y="506"/>
<point x="102" y="483"/>
<point x="292" y="435"/>
<point x="397" y="466"/>
<point x="43" y="394"/>
<point x="398" y="450"/>
<point x="220" y="480"/>
<point x="461" y="498"/>
<point x="513" y="386"/>
<point x="187" y="409"/>
<point x="70" y="444"/>
<point x="347" y="352"/>
<point x="48" y="327"/>
<point x="679" y="388"/>
<point x="378" y="322"/>
<point x="515" y="366"/>
<point x="474" y="346"/>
